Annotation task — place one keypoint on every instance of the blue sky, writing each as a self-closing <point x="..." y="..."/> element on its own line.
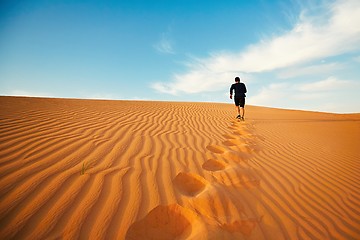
<point x="290" y="54"/>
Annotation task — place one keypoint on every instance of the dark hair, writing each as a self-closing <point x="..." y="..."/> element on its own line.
<point x="237" y="79"/>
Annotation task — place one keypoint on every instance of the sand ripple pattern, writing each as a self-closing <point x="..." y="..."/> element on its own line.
<point x="96" y="169"/>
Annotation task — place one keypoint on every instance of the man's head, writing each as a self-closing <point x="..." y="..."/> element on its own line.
<point x="237" y="79"/>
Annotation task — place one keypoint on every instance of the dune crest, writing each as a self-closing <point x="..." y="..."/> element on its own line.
<point x="96" y="169"/>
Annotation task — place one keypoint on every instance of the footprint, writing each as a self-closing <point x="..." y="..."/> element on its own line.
<point x="215" y="149"/>
<point x="163" y="222"/>
<point x="242" y="131"/>
<point x="235" y="156"/>
<point x="243" y="226"/>
<point x="189" y="184"/>
<point x="252" y="183"/>
<point x="233" y="127"/>
<point x="213" y="165"/>
<point x="229" y="143"/>
<point x="239" y="177"/>
<point x="233" y="142"/>
<point x="245" y="148"/>
<point x="229" y="136"/>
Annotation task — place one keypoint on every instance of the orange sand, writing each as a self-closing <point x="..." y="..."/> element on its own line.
<point x="167" y="170"/>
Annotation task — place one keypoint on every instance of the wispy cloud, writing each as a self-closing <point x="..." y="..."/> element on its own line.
<point x="165" y="45"/>
<point x="292" y="72"/>
<point x="22" y="93"/>
<point x="328" y="84"/>
<point x="194" y="82"/>
<point x="99" y="96"/>
<point x="314" y="95"/>
<point x="136" y="98"/>
<point x="357" y="59"/>
<point x="331" y="33"/>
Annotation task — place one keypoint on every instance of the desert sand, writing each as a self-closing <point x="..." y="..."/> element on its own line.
<point x="97" y="169"/>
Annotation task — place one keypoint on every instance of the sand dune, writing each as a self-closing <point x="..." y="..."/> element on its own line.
<point x="87" y="169"/>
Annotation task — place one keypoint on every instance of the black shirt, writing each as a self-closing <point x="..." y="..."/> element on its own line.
<point x="240" y="89"/>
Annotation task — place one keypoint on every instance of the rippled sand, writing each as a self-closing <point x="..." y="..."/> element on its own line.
<point x="91" y="169"/>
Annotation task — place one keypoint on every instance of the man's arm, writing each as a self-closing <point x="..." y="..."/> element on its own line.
<point x="231" y="90"/>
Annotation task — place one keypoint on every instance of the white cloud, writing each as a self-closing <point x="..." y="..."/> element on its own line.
<point x="357" y="59"/>
<point x="100" y="96"/>
<point x="331" y="33"/>
<point x="165" y="45"/>
<point x="276" y="94"/>
<point x="199" y="80"/>
<point x="22" y="93"/>
<point x="328" y="84"/>
<point x="325" y="95"/>
<point x="164" y="87"/>
<point x="309" y="70"/>
<point x="136" y="98"/>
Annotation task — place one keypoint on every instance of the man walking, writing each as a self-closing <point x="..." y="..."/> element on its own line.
<point x="239" y="98"/>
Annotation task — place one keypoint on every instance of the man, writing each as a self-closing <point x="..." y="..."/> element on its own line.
<point x="239" y="98"/>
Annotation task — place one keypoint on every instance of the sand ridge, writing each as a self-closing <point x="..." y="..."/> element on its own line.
<point x="96" y="169"/>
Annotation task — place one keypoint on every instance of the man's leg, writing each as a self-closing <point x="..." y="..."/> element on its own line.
<point x="242" y="108"/>
<point x="237" y="107"/>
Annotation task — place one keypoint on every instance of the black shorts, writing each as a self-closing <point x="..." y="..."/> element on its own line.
<point x="239" y="101"/>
